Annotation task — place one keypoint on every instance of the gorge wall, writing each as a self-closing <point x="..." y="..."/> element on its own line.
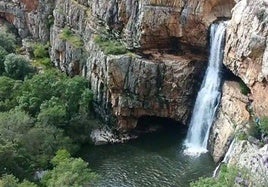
<point x="161" y="73"/>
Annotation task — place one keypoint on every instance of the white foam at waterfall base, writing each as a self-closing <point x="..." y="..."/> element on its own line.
<point x="208" y="96"/>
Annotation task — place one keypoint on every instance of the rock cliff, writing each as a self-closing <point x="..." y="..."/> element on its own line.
<point x="246" y="57"/>
<point x="246" y="49"/>
<point x="162" y="78"/>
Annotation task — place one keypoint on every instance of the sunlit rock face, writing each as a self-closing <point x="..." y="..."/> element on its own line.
<point x="246" y="51"/>
<point x="253" y="159"/>
<point x="232" y="114"/>
<point x="246" y="56"/>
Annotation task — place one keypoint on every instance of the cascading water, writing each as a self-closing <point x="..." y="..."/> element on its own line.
<point x="225" y="159"/>
<point x="208" y="96"/>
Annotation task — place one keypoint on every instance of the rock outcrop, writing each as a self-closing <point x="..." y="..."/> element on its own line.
<point x="247" y="50"/>
<point x="129" y="86"/>
<point x="232" y="115"/>
<point x="245" y="55"/>
<point x="32" y="18"/>
<point x="253" y="160"/>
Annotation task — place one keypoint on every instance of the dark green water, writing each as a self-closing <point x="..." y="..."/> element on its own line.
<point x="154" y="160"/>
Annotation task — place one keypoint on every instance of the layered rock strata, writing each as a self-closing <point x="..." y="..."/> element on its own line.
<point x="152" y="83"/>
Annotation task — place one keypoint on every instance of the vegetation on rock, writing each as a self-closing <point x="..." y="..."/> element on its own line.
<point x="110" y="46"/>
<point x="227" y="178"/>
<point x="68" y="36"/>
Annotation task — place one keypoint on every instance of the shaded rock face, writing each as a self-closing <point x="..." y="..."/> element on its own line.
<point x="232" y="114"/>
<point x="246" y="49"/>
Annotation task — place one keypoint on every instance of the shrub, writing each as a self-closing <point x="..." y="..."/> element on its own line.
<point x="243" y="88"/>
<point x="41" y="55"/>
<point x="109" y="46"/>
<point x="17" y="66"/>
<point x="3" y="54"/>
<point x="12" y="181"/>
<point x="70" y="37"/>
<point x="40" y="51"/>
<point x="226" y="178"/>
<point x="7" y="41"/>
<point x="264" y="125"/>
<point x="242" y="136"/>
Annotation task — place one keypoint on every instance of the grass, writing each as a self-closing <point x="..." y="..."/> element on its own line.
<point x="110" y="46"/>
<point x="68" y="36"/>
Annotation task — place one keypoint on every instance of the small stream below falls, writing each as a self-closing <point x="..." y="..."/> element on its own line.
<point x="155" y="160"/>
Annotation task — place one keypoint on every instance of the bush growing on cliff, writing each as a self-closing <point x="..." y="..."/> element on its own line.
<point x="264" y="125"/>
<point x="243" y="88"/>
<point x="41" y="55"/>
<point x="110" y="46"/>
<point x="68" y="36"/>
<point x="226" y="178"/>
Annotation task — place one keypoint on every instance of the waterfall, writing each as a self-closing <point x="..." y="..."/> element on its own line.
<point x="208" y="96"/>
<point x="226" y="158"/>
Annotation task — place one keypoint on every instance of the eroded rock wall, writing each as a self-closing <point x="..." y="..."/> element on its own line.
<point x="32" y="18"/>
<point x="246" y="56"/>
<point x="246" y="49"/>
<point x="232" y="115"/>
<point x="129" y="86"/>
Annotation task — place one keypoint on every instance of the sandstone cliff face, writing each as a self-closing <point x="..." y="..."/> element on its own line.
<point x="246" y="49"/>
<point x="232" y="114"/>
<point x="130" y="86"/>
<point x="246" y="56"/>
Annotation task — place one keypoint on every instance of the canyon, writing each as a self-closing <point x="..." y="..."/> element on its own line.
<point x="166" y="44"/>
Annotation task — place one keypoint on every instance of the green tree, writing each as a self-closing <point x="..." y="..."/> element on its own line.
<point x="12" y="181"/>
<point x="25" y="147"/>
<point x="9" y="90"/>
<point x="41" y="142"/>
<point x="8" y="41"/>
<point x="53" y="112"/>
<point x="13" y="127"/>
<point x="17" y="67"/>
<point x="3" y="54"/>
<point x="40" y="88"/>
<point x="68" y="171"/>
